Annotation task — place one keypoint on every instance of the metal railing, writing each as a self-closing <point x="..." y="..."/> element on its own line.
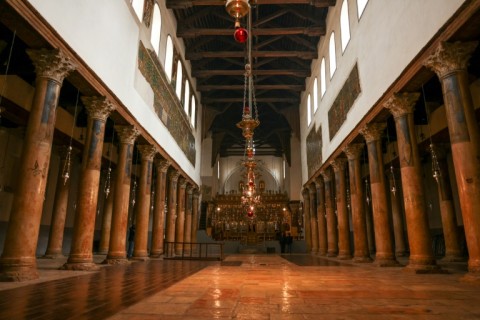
<point x="193" y="251"/>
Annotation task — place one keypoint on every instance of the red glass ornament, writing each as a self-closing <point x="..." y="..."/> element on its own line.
<point x="246" y="109"/>
<point x="250" y="213"/>
<point x="240" y="35"/>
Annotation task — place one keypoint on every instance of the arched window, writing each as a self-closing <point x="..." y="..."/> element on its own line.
<point x="344" y="25"/>
<point x="178" y="86"/>
<point x="309" y="110"/>
<point x="194" y="111"/>
<point x="323" y="78"/>
<point x="137" y="6"/>
<point x="315" y="96"/>
<point x="169" y="58"/>
<point x="361" y="4"/>
<point x="186" y="101"/>
<point x="332" y="56"/>
<point x="156" y="28"/>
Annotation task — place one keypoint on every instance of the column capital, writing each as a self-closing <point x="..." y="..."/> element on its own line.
<point x="327" y="175"/>
<point x="401" y="104"/>
<point x="147" y="151"/>
<point x="318" y="182"/>
<point x="189" y="189"/>
<point x="182" y="182"/>
<point x="127" y="134"/>
<point x="98" y="107"/>
<point x="449" y="57"/>
<point x="174" y="175"/>
<point x="312" y="189"/>
<point x="196" y="193"/>
<point x="354" y="150"/>
<point x="162" y="165"/>
<point x="373" y="131"/>
<point x="306" y="194"/>
<point x="338" y="164"/>
<point x="52" y="64"/>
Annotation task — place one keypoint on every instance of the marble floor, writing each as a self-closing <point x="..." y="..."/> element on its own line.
<point x="247" y="286"/>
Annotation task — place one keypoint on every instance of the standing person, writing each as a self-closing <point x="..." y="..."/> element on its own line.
<point x="131" y="240"/>
<point x="283" y="239"/>
<point x="289" y="241"/>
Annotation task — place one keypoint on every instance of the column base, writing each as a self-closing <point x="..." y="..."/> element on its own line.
<point x="344" y="256"/>
<point x="142" y="258"/>
<point x="453" y="258"/>
<point x="116" y="261"/>
<point x="52" y="256"/>
<point x="157" y="257"/>
<point x="332" y="253"/>
<point x="425" y="269"/>
<point x="471" y="277"/>
<point x="82" y="266"/>
<point x="401" y="253"/>
<point x="102" y="251"/>
<point x="386" y="263"/>
<point x="16" y="270"/>
<point x="362" y="260"/>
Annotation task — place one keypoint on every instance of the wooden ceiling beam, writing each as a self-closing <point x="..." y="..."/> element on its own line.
<point x="184" y="4"/>
<point x="239" y="72"/>
<point x="207" y="100"/>
<point x="315" y="31"/>
<point x="306" y="55"/>
<point x="290" y="87"/>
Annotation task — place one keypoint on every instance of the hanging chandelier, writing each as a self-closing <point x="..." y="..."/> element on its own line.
<point x="250" y="199"/>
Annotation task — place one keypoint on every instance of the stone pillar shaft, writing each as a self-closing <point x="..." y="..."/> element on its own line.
<point x="107" y="219"/>
<point x="117" y="248"/>
<point x="180" y="222"/>
<point x="450" y="63"/>
<point x="306" y="219"/>
<point x="344" y="251"/>
<point x="332" y="235"/>
<point x="142" y="213"/>
<point x="81" y="256"/>
<point x="196" y="195"/>
<point x="383" y="235"/>
<point x="357" y="198"/>
<point x="172" y="210"/>
<point x="187" y="235"/>
<point x="158" y="227"/>
<point x="321" y="221"/>
<point x="421" y="253"/>
<point x="57" y="226"/>
<point x="18" y="261"/>
<point x="397" y="216"/>
<point x="313" y="217"/>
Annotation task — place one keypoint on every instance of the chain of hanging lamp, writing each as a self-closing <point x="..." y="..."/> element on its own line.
<point x="250" y="200"/>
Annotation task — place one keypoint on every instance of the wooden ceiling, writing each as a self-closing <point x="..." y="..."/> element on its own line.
<point x="285" y="35"/>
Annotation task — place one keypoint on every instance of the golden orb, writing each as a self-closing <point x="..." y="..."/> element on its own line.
<point x="237" y="8"/>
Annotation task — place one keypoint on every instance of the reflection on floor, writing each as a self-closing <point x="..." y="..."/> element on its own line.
<point x="245" y="287"/>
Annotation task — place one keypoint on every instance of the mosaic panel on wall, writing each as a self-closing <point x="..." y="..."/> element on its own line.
<point x="165" y="103"/>
<point x="344" y="101"/>
<point x="314" y="150"/>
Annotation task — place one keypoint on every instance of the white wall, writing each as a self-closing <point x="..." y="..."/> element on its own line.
<point x="387" y="37"/>
<point x="106" y="34"/>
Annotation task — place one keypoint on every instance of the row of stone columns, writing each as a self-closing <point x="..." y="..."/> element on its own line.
<point x="449" y="61"/>
<point x="18" y="262"/>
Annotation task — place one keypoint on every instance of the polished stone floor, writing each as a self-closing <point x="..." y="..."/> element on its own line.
<point x="242" y="287"/>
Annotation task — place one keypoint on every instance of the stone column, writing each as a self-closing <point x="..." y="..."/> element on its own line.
<point x="450" y="63"/>
<point x="332" y="231"/>
<point x="158" y="226"/>
<point x="180" y="222"/>
<point x="117" y="249"/>
<point x="357" y="196"/>
<point x="107" y="217"/>
<point x="453" y="252"/>
<point x="313" y="217"/>
<point x="306" y="219"/>
<point x="369" y="219"/>
<point x="397" y="215"/>
<point x="57" y="226"/>
<point x="172" y="209"/>
<point x="196" y="196"/>
<point x="18" y="261"/>
<point x="416" y="216"/>
<point x="81" y="256"/>
<point x="142" y="213"/>
<point x="187" y="235"/>
<point x="384" y="256"/>
<point x="321" y="221"/>
<point x="344" y="251"/>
